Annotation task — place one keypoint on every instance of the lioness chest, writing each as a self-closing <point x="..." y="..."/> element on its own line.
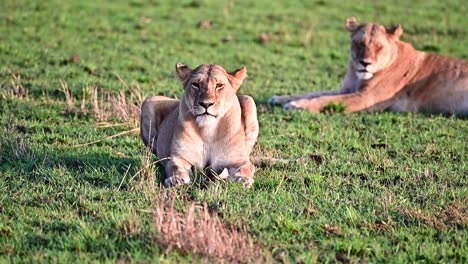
<point x="203" y="144"/>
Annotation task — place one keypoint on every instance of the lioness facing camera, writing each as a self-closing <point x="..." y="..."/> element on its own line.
<point x="210" y="126"/>
<point x="387" y="73"/>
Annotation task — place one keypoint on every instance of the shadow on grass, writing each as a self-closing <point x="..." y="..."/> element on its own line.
<point x="97" y="168"/>
<point x="70" y="199"/>
<point x="27" y="164"/>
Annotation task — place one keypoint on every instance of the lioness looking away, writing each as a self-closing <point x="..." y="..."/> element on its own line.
<point x="387" y="73"/>
<point x="210" y="126"/>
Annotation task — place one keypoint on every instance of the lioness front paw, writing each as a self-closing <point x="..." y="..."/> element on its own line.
<point x="176" y="180"/>
<point x="279" y="99"/>
<point x="294" y="105"/>
<point x="247" y="182"/>
<point x="224" y="174"/>
<point x="311" y="105"/>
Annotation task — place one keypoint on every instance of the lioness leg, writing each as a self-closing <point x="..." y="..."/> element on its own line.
<point x="177" y="172"/>
<point x="349" y="85"/>
<point x="243" y="173"/>
<point x="352" y="102"/>
<point x="283" y="99"/>
<point x="249" y="118"/>
<point x="153" y="111"/>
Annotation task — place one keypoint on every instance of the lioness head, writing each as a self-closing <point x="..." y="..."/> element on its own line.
<point x="209" y="89"/>
<point x="373" y="47"/>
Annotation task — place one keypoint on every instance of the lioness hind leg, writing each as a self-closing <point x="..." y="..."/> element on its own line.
<point x="243" y="174"/>
<point x="153" y="111"/>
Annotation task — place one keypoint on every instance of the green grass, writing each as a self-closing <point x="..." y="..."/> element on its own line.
<point x="384" y="187"/>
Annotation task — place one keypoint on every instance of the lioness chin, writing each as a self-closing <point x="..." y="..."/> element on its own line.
<point x="387" y="73"/>
<point x="210" y="126"/>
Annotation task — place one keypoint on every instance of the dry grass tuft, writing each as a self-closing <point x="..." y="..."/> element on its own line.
<point x="263" y="38"/>
<point x="200" y="233"/>
<point x="267" y="159"/>
<point x="15" y="89"/>
<point x="380" y="225"/>
<point x="107" y="106"/>
<point x="205" y="24"/>
<point x="110" y="108"/>
<point x="455" y="215"/>
<point x="69" y="100"/>
<point x="116" y="106"/>
<point x="196" y="232"/>
<point x="332" y="230"/>
<point x="130" y="227"/>
<point x="14" y="145"/>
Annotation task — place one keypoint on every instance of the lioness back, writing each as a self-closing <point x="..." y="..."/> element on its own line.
<point x="441" y="86"/>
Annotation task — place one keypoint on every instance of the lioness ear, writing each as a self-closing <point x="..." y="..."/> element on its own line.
<point x="239" y="76"/>
<point x="351" y="24"/>
<point x="182" y="71"/>
<point x="395" y="32"/>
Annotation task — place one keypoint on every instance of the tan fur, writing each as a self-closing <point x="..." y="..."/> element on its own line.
<point x="387" y="73"/>
<point x="182" y="132"/>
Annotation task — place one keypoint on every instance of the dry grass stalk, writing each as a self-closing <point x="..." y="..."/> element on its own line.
<point x="95" y="103"/>
<point x="148" y="174"/>
<point x="308" y="36"/>
<point x="228" y="6"/>
<point x="121" y="81"/>
<point x="203" y="234"/>
<point x="83" y="108"/>
<point x="109" y="137"/>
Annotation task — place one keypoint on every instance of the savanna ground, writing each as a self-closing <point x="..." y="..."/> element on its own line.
<point x="385" y="187"/>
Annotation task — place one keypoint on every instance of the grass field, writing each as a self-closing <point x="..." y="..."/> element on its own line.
<point x="385" y="187"/>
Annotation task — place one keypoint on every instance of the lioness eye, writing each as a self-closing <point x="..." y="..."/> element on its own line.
<point x="195" y="85"/>
<point x="219" y="86"/>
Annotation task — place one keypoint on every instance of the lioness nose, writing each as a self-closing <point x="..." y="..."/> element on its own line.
<point x="364" y="62"/>
<point x="206" y="104"/>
